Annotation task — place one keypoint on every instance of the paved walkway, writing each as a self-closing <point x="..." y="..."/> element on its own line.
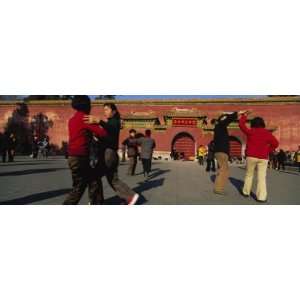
<point x="48" y="181"/>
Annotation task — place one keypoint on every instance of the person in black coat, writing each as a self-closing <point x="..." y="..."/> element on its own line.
<point x="108" y="153"/>
<point x="11" y="147"/>
<point x="35" y="147"/>
<point x="221" y="142"/>
<point x="211" y="165"/>
<point x="132" y="151"/>
<point x="3" y="146"/>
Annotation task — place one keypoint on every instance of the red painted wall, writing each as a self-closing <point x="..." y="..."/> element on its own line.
<point x="284" y="116"/>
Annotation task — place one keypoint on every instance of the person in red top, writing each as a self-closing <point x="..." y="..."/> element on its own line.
<point x="260" y="143"/>
<point x="80" y="135"/>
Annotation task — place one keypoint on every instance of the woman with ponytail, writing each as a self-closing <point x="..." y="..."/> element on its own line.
<point x="108" y="156"/>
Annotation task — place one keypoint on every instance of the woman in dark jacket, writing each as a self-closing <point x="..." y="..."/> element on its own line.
<point x="108" y="153"/>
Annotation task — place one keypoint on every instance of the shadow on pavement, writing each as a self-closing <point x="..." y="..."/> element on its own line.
<point x="213" y="178"/>
<point x="142" y="173"/>
<point x="26" y="164"/>
<point x="286" y="172"/>
<point x="35" y="197"/>
<point x="142" y="187"/>
<point x="239" y="184"/>
<point x="28" y="172"/>
<point x="159" y="172"/>
<point x="148" y="185"/>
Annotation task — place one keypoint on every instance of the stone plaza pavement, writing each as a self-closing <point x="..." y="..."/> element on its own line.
<point x="48" y="181"/>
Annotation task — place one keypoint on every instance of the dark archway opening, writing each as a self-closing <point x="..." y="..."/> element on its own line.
<point x="184" y="144"/>
<point x="235" y="147"/>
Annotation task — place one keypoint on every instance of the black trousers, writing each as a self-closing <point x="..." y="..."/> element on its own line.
<point x="210" y="165"/>
<point x="83" y="176"/>
<point x="11" y="155"/>
<point x="280" y="165"/>
<point x="147" y="163"/>
<point x="201" y="160"/>
<point x="4" y="154"/>
<point x="108" y="166"/>
<point x="132" y="165"/>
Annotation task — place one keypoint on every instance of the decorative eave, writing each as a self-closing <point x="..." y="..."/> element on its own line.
<point x="140" y="116"/>
<point x="177" y="101"/>
<point x="184" y="113"/>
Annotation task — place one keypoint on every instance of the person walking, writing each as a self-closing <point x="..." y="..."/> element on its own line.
<point x="201" y="154"/>
<point x="4" y="145"/>
<point x="35" y="147"/>
<point x="11" y="147"/>
<point x="147" y="144"/>
<point x="108" y="155"/>
<point x="221" y="142"/>
<point x="78" y="154"/>
<point x="281" y="158"/>
<point x="130" y="145"/>
<point x="297" y="158"/>
<point x="210" y="162"/>
<point x="260" y="143"/>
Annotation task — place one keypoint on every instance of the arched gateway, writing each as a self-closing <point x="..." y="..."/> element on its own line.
<point x="184" y="143"/>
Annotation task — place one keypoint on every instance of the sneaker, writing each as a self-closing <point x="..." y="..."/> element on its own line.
<point x="245" y="195"/>
<point x="221" y="193"/>
<point x="261" y="201"/>
<point x="133" y="200"/>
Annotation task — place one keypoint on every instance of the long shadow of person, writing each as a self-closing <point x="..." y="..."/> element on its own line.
<point x="213" y="178"/>
<point x="158" y="173"/>
<point x="239" y="184"/>
<point x="287" y="172"/>
<point x="32" y="171"/>
<point x="141" y="173"/>
<point x="35" y="197"/>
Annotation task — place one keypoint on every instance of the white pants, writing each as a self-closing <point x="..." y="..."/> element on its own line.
<point x="261" y="165"/>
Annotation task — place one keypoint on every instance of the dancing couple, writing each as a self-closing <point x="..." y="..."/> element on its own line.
<point x="84" y="127"/>
<point x="260" y="142"/>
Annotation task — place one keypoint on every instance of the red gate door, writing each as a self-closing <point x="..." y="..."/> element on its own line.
<point x="185" y="144"/>
<point x="235" y="147"/>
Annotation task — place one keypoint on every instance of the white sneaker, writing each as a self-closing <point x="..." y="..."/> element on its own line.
<point x="133" y="200"/>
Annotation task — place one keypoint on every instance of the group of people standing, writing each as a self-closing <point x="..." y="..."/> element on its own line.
<point x="8" y="145"/>
<point x="40" y="147"/>
<point x="139" y="147"/>
<point x="279" y="159"/>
